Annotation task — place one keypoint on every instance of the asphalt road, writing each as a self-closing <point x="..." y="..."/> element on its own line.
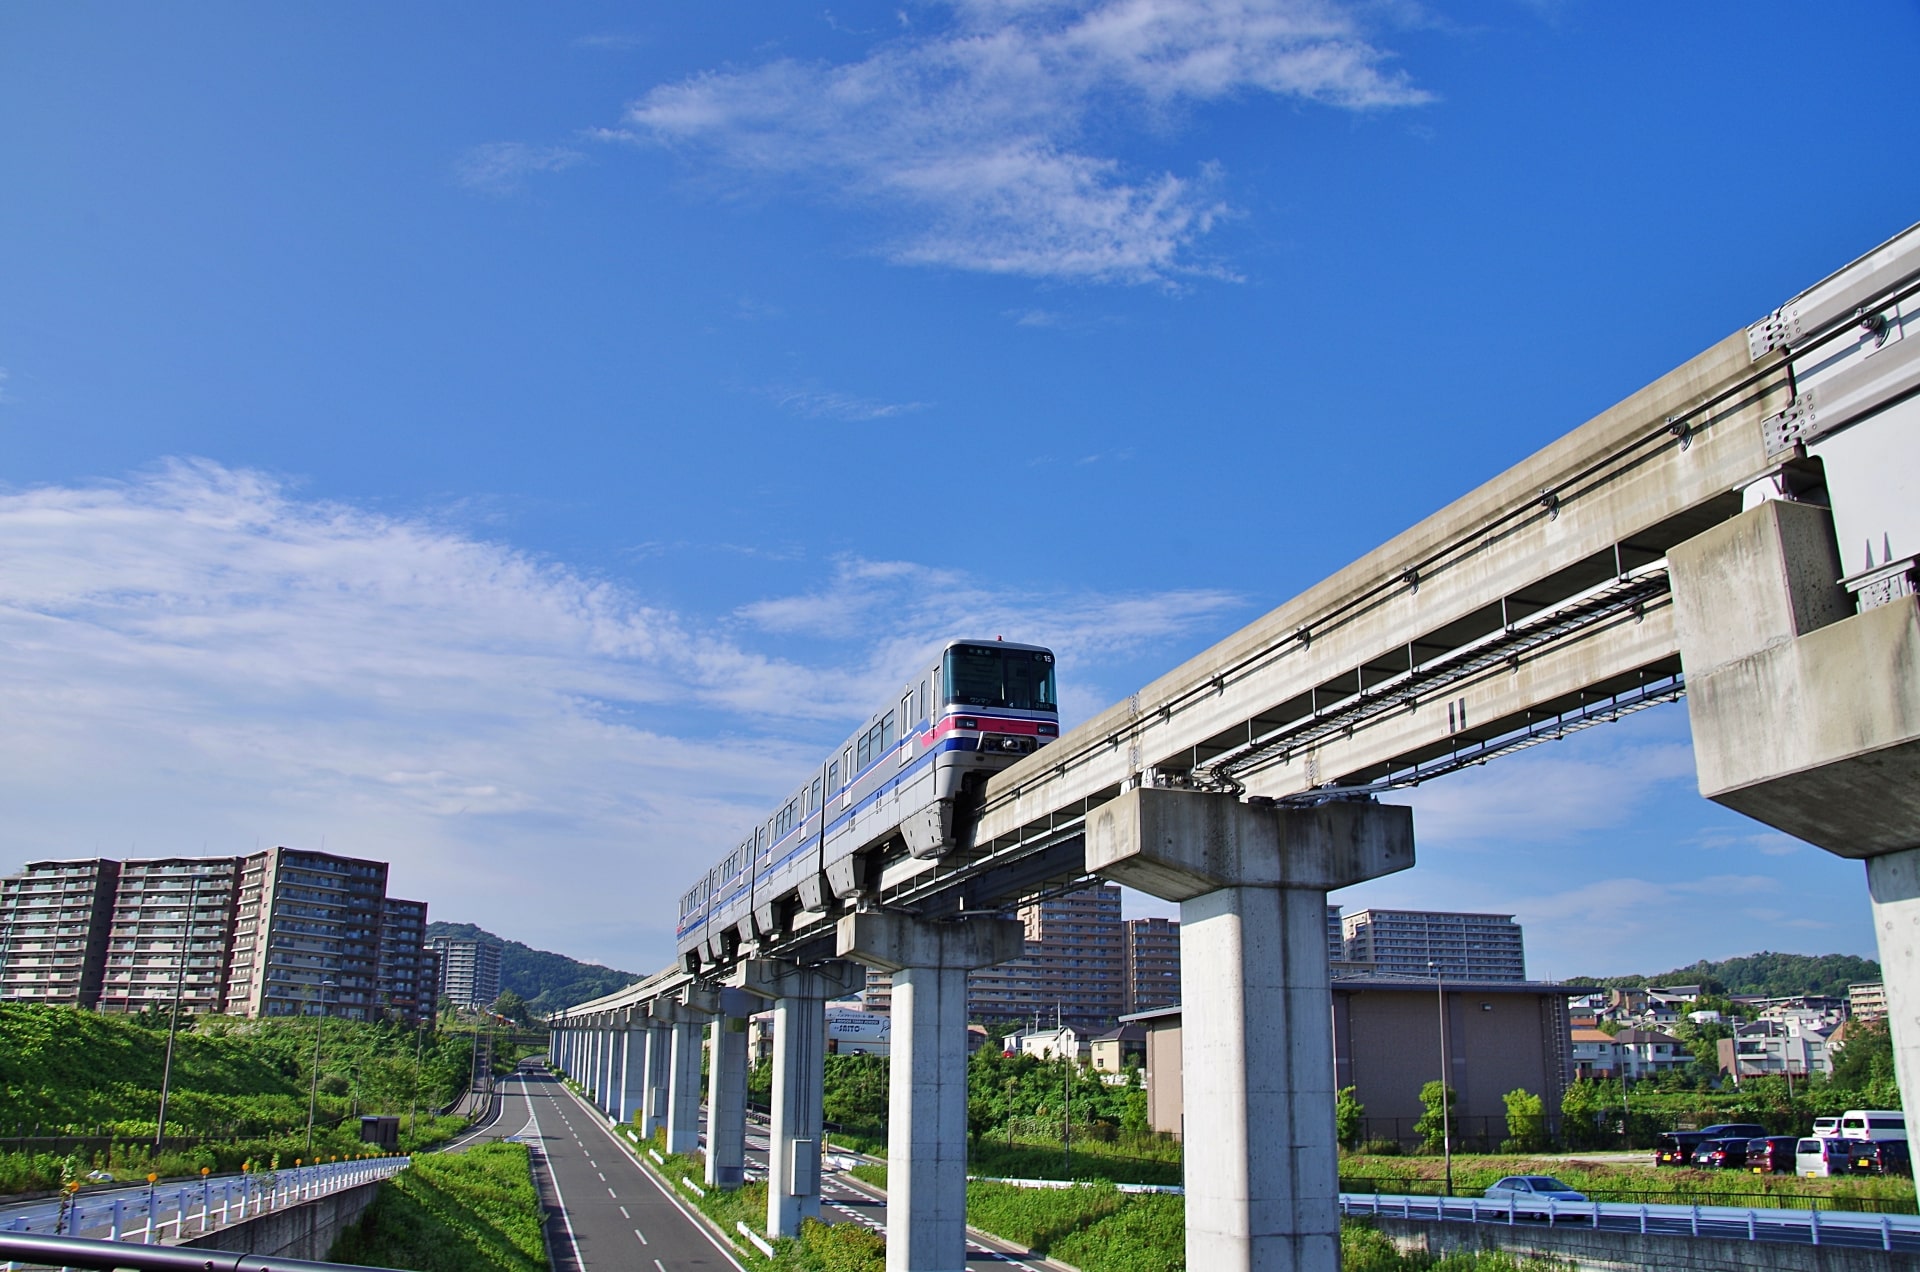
<point x="605" y="1212"/>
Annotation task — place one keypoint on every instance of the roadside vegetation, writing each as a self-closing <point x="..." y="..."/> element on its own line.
<point x="82" y="1092"/>
<point x="475" y="1211"/>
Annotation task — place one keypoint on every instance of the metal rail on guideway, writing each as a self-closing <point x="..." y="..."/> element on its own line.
<point x="1797" y="1227"/>
<point x="144" y="1216"/>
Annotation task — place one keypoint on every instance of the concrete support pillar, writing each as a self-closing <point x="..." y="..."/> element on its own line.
<point x="1256" y="1027"/>
<point x="616" y="1065"/>
<point x="927" y="1106"/>
<point x="633" y="1069"/>
<point x="653" y="1102"/>
<point x="683" y="1077"/>
<point x="799" y="997"/>
<point x="598" y="1090"/>
<point x="1806" y="716"/>
<point x="727" y="1090"/>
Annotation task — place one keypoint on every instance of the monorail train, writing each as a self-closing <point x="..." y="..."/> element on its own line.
<point x="906" y="778"/>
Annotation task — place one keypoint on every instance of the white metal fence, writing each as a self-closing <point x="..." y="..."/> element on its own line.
<point x="145" y="1214"/>
<point x="1802" y="1227"/>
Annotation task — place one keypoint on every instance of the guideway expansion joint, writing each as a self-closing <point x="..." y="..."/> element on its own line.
<point x="1262" y="1182"/>
<point x="927" y="1079"/>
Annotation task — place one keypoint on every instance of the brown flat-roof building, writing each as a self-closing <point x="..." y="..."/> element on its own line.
<point x="1501" y="1035"/>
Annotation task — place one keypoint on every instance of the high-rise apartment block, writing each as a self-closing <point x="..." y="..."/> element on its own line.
<point x="1419" y="943"/>
<point x="170" y="932"/>
<point x="281" y="932"/>
<point x="403" y="938"/>
<point x="469" y="969"/>
<point x="306" y="935"/>
<point x="1073" y="968"/>
<point x="53" y="930"/>
<point x="1153" y="963"/>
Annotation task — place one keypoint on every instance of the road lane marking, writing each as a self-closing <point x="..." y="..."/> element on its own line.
<point x="660" y="1265"/>
<point x="602" y="1174"/>
<point x="611" y="1193"/>
<point x="641" y="1235"/>
<point x="566" y="1221"/>
<point x="624" y="1214"/>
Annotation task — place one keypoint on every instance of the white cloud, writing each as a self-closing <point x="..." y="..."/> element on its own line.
<point x="827" y="404"/>
<point x="502" y="167"/>
<point x="980" y="133"/>
<point x="198" y="659"/>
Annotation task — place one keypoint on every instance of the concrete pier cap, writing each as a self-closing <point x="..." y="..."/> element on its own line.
<point x="895" y="942"/>
<point x="1178" y="845"/>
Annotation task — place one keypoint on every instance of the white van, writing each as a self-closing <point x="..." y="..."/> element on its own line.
<point x="1826" y="1127"/>
<point x="1873" y="1124"/>
<point x="1818" y="1158"/>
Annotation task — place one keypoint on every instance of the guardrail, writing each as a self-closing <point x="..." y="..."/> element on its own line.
<point x="1762" y="1199"/>
<point x="76" y="1252"/>
<point x="141" y="1215"/>
<point x="1799" y="1227"/>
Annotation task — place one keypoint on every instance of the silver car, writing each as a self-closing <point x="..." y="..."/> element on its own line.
<point x="1518" y="1190"/>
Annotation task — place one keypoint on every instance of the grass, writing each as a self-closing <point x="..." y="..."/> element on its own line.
<point x="476" y="1211"/>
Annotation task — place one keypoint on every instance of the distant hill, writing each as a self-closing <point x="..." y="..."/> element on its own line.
<point x="548" y="981"/>
<point x="1774" y="975"/>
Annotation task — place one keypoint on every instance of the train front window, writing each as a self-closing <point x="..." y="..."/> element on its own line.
<point x="993" y="676"/>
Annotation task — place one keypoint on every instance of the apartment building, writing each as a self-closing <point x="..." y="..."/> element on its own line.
<point x="405" y="992"/>
<point x="469" y="970"/>
<point x="1073" y="968"/>
<point x="169" y="933"/>
<point x="307" y="935"/>
<point x="53" y="930"/>
<point x="1416" y="943"/>
<point x="1867" y="1000"/>
<point x="1152" y="963"/>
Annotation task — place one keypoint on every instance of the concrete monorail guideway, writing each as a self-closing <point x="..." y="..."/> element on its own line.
<point x="1744" y="532"/>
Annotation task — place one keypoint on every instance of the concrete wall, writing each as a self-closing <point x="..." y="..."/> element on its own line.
<point x="1386" y="1043"/>
<point x="1630" y="1252"/>
<point x="295" y="1232"/>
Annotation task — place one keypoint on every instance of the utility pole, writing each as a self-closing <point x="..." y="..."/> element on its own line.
<point x="173" y="1024"/>
<point x="313" y="1091"/>
<point x="1446" y="1112"/>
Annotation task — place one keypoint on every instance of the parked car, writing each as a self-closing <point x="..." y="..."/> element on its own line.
<point x="1816" y="1158"/>
<point x="1879" y="1157"/>
<point x="1721" y="1154"/>
<point x="1873" y="1124"/>
<point x="1773" y="1155"/>
<point x="1519" y="1190"/>
<point x="1676" y="1148"/>
<point x="1826" y="1128"/>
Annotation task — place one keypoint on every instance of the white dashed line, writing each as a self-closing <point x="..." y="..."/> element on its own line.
<point x="610" y="1192"/>
<point x="624" y="1214"/>
<point x="641" y="1235"/>
<point x="603" y="1176"/>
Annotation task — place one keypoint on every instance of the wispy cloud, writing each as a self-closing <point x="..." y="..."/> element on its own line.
<point x="502" y="167"/>
<point x="198" y="656"/>
<point x="981" y="134"/>
<point x="826" y="404"/>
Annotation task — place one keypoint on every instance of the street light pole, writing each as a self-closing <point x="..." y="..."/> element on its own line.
<point x="1446" y="1113"/>
<point x="173" y="1024"/>
<point x="313" y="1092"/>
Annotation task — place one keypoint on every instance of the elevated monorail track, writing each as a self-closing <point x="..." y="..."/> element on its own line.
<point x="1532" y="607"/>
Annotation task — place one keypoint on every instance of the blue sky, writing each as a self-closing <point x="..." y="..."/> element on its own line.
<point x="515" y="442"/>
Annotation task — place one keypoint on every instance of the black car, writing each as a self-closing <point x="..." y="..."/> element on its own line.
<point x="1880" y="1157"/>
<point x="1773" y="1155"/>
<point x="1721" y="1154"/>
<point x="1676" y="1148"/>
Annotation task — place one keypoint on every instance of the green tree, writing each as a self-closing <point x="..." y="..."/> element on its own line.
<point x="1434" y="1125"/>
<point x="1526" y="1122"/>
<point x="1348" y="1116"/>
<point x="513" y="1007"/>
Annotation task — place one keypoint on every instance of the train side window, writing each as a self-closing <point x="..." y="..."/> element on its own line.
<point x="886" y="731"/>
<point x="920" y="702"/>
<point x="906" y="713"/>
<point x="833" y="776"/>
<point x="814" y="801"/>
